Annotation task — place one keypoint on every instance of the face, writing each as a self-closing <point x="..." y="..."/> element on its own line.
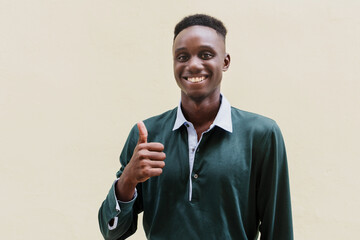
<point x="199" y="61"/>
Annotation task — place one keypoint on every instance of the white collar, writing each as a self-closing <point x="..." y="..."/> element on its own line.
<point x="222" y="119"/>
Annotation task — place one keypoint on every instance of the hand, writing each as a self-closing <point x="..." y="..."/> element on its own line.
<point x="147" y="161"/>
<point x="148" y="158"/>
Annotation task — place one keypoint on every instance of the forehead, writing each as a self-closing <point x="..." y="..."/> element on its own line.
<point x="195" y="35"/>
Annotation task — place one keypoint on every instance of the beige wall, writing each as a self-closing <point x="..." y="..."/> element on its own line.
<point x="76" y="75"/>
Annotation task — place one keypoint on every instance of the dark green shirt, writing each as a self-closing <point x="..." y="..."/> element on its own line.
<point x="241" y="185"/>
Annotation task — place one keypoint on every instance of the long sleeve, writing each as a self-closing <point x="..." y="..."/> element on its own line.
<point x="273" y="197"/>
<point x="118" y="220"/>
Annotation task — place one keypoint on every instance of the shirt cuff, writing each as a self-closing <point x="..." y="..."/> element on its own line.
<point x="121" y="206"/>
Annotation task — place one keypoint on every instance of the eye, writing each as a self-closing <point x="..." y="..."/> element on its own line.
<point x="206" y="55"/>
<point x="182" y="58"/>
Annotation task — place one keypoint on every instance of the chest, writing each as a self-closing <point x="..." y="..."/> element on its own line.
<point x="221" y="162"/>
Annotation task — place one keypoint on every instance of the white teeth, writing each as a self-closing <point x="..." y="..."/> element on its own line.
<point x="196" y="79"/>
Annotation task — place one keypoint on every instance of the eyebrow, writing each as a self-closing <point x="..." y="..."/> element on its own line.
<point x="184" y="48"/>
<point x="179" y="49"/>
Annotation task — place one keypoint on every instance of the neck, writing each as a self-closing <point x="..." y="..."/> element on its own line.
<point x="201" y="113"/>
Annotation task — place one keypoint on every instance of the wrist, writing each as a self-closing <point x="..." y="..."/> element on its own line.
<point x="125" y="189"/>
<point x="127" y="180"/>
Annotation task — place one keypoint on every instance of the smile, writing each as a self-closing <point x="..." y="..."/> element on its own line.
<point x="195" y="79"/>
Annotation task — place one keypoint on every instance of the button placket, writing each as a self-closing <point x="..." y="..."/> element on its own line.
<point x="192" y="142"/>
<point x="194" y="150"/>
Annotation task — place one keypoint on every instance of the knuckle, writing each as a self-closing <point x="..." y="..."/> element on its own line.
<point x="143" y="154"/>
<point x="143" y="164"/>
<point x="146" y="172"/>
<point x="141" y="146"/>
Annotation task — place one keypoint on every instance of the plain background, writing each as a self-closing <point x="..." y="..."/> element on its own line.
<point x="76" y="75"/>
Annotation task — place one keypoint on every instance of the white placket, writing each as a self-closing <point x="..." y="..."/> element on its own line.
<point x="193" y="144"/>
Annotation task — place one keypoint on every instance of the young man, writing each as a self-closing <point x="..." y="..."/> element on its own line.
<point x="204" y="170"/>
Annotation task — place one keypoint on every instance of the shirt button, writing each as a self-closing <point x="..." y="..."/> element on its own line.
<point x="196" y="176"/>
<point x="193" y="149"/>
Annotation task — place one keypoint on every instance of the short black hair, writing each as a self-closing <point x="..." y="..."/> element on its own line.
<point x="203" y="20"/>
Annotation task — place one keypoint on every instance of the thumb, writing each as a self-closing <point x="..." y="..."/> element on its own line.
<point x="142" y="132"/>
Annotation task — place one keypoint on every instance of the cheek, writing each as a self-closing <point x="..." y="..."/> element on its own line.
<point x="178" y="69"/>
<point x="215" y="67"/>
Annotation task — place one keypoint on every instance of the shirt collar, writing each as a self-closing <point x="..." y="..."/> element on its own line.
<point x="222" y="119"/>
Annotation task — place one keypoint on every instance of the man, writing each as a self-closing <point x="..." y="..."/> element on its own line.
<point x="204" y="170"/>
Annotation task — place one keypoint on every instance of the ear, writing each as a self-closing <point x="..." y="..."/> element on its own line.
<point x="226" y="62"/>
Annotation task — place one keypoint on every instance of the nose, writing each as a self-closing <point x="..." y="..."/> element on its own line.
<point x="195" y="65"/>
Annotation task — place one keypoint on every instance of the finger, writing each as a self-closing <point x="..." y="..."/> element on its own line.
<point x="155" y="172"/>
<point x="142" y="132"/>
<point x="156" y="164"/>
<point x="152" y="146"/>
<point x="154" y="156"/>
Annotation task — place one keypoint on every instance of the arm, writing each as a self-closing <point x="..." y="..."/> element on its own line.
<point x="117" y="219"/>
<point x="118" y="213"/>
<point x="273" y="201"/>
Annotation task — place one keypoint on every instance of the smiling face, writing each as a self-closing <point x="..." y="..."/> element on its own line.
<point x="199" y="60"/>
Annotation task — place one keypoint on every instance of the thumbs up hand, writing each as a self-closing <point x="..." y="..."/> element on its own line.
<point x="147" y="161"/>
<point x="148" y="158"/>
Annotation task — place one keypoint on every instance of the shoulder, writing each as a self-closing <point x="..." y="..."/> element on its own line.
<point x="252" y="123"/>
<point x="164" y="120"/>
<point x="262" y="132"/>
<point x="162" y="123"/>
